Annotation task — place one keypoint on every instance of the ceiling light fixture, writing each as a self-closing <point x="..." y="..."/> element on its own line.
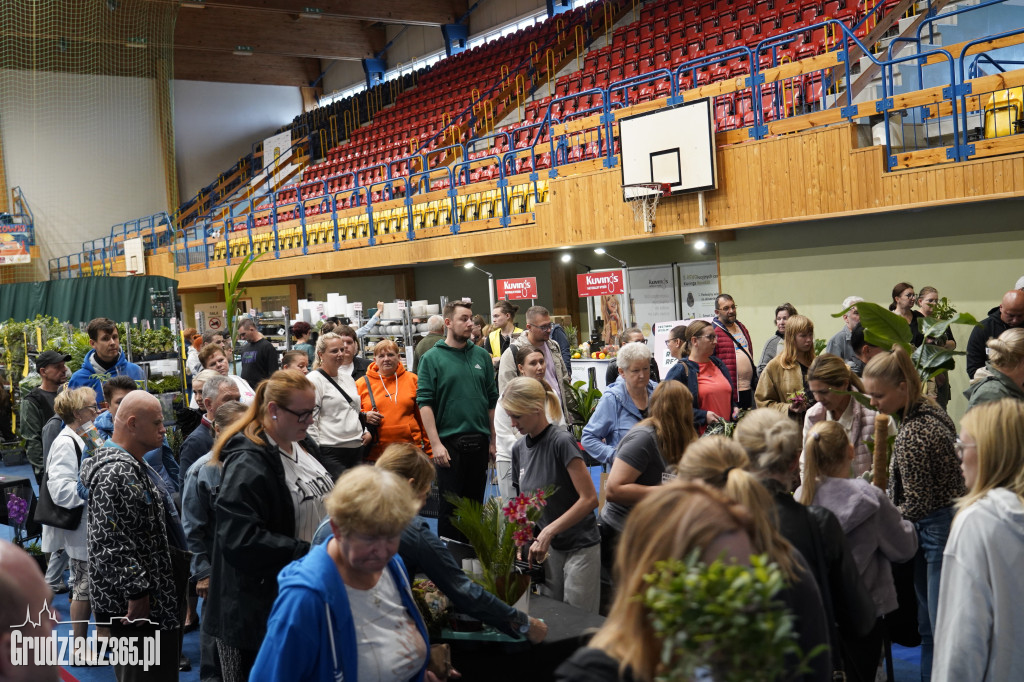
<point x="243" y="51"/>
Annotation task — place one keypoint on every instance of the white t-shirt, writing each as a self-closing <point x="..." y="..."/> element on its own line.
<point x="390" y="647"/>
<point x="308" y="483"/>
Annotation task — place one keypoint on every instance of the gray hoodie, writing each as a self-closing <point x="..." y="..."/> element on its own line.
<point x="875" y="531"/>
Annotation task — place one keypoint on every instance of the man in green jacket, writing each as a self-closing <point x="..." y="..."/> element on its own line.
<point x="456" y="395"/>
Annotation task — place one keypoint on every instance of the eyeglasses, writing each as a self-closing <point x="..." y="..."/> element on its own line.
<point x="728" y="309"/>
<point x="302" y="416"/>
<point x="543" y="327"/>
<point x="959" y="446"/>
<point x="911" y="295"/>
<point x="708" y="337"/>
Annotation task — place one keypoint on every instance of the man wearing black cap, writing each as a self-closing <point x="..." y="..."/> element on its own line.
<point x="36" y="410"/>
<point x="37" y="406"/>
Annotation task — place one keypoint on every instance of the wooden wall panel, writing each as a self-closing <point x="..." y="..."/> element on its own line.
<point x="809" y="175"/>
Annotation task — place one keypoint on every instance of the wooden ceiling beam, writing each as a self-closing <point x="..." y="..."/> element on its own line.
<point x="281" y="34"/>
<point x="423" y="12"/>
<point x="261" y="69"/>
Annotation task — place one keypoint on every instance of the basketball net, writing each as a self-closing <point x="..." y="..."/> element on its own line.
<point x="644" y="202"/>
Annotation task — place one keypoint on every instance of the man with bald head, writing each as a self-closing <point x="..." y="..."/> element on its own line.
<point x="132" y="525"/>
<point x="1009" y="314"/>
<point x="22" y="591"/>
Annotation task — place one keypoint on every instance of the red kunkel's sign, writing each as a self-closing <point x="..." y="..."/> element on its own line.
<point x="517" y="289"/>
<point x="601" y="283"/>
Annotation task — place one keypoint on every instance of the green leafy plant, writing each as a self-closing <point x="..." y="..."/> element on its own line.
<point x="943" y="310"/>
<point x="884" y="329"/>
<point x="233" y="291"/>
<point x="584" y="400"/>
<point x="721" y="619"/>
<point x="497" y="533"/>
<point x="724" y="427"/>
<point x="819" y="346"/>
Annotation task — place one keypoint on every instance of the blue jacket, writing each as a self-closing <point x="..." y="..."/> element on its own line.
<point x="198" y="495"/>
<point x="92" y="375"/>
<point x="161" y="459"/>
<point x="615" y="415"/>
<point x="423" y="552"/>
<point x="700" y="417"/>
<point x="314" y="637"/>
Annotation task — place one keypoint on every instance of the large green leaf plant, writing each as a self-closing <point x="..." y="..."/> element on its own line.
<point x="884" y="329"/>
<point x="233" y="292"/>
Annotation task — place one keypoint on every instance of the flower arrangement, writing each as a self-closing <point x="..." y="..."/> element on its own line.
<point x="721" y="619"/>
<point x="17" y="514"/>
<point x="497" y="533"/>
<point x="797" y="399"/>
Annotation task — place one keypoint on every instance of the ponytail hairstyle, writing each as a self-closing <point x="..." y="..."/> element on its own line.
<point x="895" y="368"/>
<point x="722" y="463"/>
<point x="897" y="291"/>
<point x="826" y="448"/>
<point x="279" y="388"/>
<point x="797" y="324"/>
<point x="771" y="441"/>
<point x="524" y="395"/>
<point x="321" y="344"/>
<point x="693" y="329"/>
<point x="833" y="371"/>
<point x="671" y="416"/>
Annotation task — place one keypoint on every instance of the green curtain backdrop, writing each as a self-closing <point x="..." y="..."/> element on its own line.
<point x="83" y="298"/>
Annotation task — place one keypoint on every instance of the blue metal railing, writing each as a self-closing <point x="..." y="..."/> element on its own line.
<point x="381" y="179"/>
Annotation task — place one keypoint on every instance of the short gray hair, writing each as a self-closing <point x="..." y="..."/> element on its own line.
<point x="632" y="353"/>
<point x="435" y="324"/>
<point x="214" y="385"/>
<point x="210" y="333"/>
<point x="851" y="300"/>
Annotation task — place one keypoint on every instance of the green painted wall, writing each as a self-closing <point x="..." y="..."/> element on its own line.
<point x="971" y="253"/>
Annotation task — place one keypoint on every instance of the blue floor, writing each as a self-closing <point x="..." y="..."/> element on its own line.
<point x="906" y="661"/>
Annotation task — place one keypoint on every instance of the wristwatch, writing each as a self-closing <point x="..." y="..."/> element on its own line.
<point x="521" y="623"/>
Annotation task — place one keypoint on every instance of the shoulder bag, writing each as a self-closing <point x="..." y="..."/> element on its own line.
<point x="48" y="512"/>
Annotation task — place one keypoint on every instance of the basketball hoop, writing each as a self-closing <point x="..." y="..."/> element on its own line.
<point x="643" y="198"/>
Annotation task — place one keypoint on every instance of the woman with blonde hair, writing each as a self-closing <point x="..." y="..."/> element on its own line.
<point x="786" y="373"/>
<point x="568" y="544"/>
<point x="670" y="523"/>
<point x="925" y="477"/>
<point x="340" y="426"/>
<point x="723" y="463"/>
<point x="346" y="610"/>
<point x="978" y="633"/>
<point x="643" y="457"/>
<point x="1003" y="375"/>
<point x="269" y="505"/>
<point x="75" y="407"/>
<point x="830" y="380"/>
<point x="876" y="533"/>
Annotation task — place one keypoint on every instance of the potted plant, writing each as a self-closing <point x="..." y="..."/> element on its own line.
<point x="497" y="533"/>
<point x="721" y="621"/>
<point x="17" y="517"/>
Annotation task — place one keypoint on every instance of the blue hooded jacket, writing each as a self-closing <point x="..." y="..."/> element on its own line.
<point x="311" y="635"/>
<point x="91" y="374"/>
<point x="615" y="415"/>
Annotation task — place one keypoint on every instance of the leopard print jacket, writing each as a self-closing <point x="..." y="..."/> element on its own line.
<point x="925" y="474"/>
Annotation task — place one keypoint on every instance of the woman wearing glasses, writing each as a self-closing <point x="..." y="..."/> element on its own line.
<point x="270" y="503"/>
<point x="925" y="478"/>
<point x="706" y="376"/>
<point x="903" y="299"/>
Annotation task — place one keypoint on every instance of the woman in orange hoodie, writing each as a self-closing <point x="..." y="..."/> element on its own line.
<point x="389" y="388"/>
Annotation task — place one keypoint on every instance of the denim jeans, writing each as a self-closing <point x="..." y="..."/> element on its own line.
<point x="932" y="532"/>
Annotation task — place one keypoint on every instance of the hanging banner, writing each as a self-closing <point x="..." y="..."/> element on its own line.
<point x="654" y="298"/>
<point x="698" y="288"/>
<point x="15" y="239"/>
<point x="518" y="289"/>
<point x="275" y="148"/>
<point x="604" y="283"/>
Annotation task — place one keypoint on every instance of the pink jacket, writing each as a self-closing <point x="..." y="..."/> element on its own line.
<point x="861" y="429"/>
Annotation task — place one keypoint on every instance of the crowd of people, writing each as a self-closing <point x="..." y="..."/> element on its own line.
<point x="292" y="508"/>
